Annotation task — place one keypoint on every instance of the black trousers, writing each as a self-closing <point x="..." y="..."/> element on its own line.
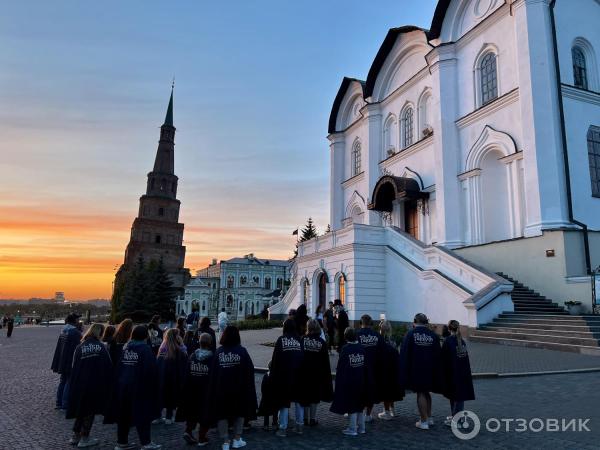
<point x="143" y="431"/>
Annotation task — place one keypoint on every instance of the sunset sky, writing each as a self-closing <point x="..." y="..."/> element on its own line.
<point x="84" y="88"/>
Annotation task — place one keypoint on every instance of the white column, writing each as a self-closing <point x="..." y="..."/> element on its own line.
<point x="336" y="177"/>
<point x="442" y="62"/>
<point x="545" y="190"/>
<point x="372" y="156"/>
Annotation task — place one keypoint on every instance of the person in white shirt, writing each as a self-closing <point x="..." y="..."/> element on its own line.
<point x="222" y="320"/>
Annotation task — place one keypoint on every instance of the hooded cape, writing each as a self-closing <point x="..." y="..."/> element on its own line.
<point x="458" y="382"/>
<point x="232" y="388"/>
<point x="316" y="384"/>
<point x="195" y="395"/>
<point x="351" y="381"/>
<point x="136" y="386"/>
<point x="90" y="380"/>
<point x="390" y="389"/>
<point x="372" y="342"/>
<point x="285" y="370"/>
<point x="171" y="375"/>
<point x="420" y="361"/>
<point x="69" y="339"/>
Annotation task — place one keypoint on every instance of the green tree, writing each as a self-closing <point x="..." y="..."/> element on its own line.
<point x="307" y="233"/>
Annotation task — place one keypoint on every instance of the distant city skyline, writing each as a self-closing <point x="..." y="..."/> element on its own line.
<point x="84" y="88"/>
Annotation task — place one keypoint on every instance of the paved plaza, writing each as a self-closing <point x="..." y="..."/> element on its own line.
<point x="28" y="420"/>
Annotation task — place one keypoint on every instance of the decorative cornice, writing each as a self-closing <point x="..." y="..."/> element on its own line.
<point x="353" y="180"/>
<point x="406" y="152"/>
<point x="495" y="105"/>
<point x="471" y="173"/>
<point x="512" y="157"/>
<point x="581" y="95"/>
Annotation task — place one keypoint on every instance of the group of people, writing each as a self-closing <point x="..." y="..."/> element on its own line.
<point x="139" y="375"/>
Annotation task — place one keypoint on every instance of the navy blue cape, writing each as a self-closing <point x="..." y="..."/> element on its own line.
<point x="90" y="380"/>
<point x="69" y="339"/>
<point x="315" y="378"/>
<point x="171" y="375"/>
<point x="285" y="370"/>
<point x="420" y="361"/>
<point x="372" y="342"/>
<point x="458" y="382"/>
<point x="351" y="381"/>
<point x="195" y="393"/>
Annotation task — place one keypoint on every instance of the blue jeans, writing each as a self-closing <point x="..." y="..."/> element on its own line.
<point x="62" y="393"/>
<point x="356" y="422"/>
<point x="284" y="414"/>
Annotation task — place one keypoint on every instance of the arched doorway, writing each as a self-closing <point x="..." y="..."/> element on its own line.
<point x="322" y="290"/>
<point x="494" y="204"/>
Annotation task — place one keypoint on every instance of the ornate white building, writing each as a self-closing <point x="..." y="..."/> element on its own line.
<point x="243" y="286"/>
<point x="471" y="148"/>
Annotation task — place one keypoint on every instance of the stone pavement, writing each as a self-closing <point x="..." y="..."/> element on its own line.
<point x="28" y="420"/>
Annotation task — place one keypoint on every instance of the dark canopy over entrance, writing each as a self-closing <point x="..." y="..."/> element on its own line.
<point x="390" y="188"/>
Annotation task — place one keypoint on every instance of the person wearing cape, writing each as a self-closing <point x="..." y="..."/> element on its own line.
<point x="232" y="392"/>
<point x="69" y="339"/>
<point x="389" y="381"/>
<point x="351" y="393"/>
<point x="10" y="325"/>
<point x="267" y="406"/>
<point x="420" y="363"/>
<point x="90" y="383"/>
<point x="155" y="334"/>
<point x="316" y="384"/>
<point x="134" y="394"/>
<point x="205" y="327"/>
<point x="458" y="381"/>
<point x="195" y="393"/>
<point x="121" y="337"/>
<point x="329" y="321"/>
<point x="286" y="364"/>
<point x="341" y="322"/>
<point x="171" y="362"/>
<point x="372" y="342"/>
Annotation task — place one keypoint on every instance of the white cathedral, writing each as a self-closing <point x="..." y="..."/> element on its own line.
<point x="471" y="148"/>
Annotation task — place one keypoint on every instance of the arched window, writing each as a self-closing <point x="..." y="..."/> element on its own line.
<point x="229" y="301"/>
<point x="279" y="283"/>
<point x="163" y="184"/>
<point x="356" y="159"/>
<point x="580" y="78"/>
<point x="243" y="279"/>
<point x="593" y="141"/>
<point x="341" y="288"/>
<point x="425" y="128"/>
<point x="230" y="282"/>
<point x="267" y="282"/>
<point x="407" y="127"/>
<point x="161" y="211"/>
<point x="389" y="137"/>
<point x="255" y="280"/>
<point x="488" y="81"/>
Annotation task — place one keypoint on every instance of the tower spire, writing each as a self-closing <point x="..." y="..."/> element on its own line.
<point x="169" y="116"/>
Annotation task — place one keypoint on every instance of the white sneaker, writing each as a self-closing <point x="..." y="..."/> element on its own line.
<point x="225" y="447"/>
<point x="85" y="442"/>
<point x="151" y="446"/>
<point x="430" y="422"/>
<point x="385" y="415"/>
<point x="239" y="443"/>
<point x="349" y="432"/>
<point x="75" y="438"/>
<point x="124" y="446"/>
<point x="422" y="425"/>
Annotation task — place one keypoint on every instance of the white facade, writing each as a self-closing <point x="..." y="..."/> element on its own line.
<point x="456" y="137"/>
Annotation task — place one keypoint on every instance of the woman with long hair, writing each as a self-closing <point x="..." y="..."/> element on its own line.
<point x="316" y="384"/>
<point x="172" y="361"/>
<point x="89" y="385"/>
<point x="232" y="388"/>
<point x="389" y="381"/>
<point x="181" y="326"/>
<point x="205" y="327"/>
<point x="458" y="381"/>
<point x="108" y="335"/>
<point x="121" y="337"/>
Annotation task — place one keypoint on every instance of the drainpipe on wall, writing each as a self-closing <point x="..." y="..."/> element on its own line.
<point x="563" y="133"/>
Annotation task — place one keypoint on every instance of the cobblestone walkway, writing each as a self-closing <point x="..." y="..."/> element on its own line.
<point x="28" y="420"/>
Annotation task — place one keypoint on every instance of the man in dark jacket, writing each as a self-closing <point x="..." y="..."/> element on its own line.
<point x="69" y="339"/>
<point x="329" y="322"/>
<point x="342" y="323"/>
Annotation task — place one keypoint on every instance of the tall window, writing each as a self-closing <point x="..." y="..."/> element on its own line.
<point x="356" y="169"/>
<point x="230" y="282"/>
<point x="579" y="68"/>
<point x="243" y="279"/>
<point x="342" y="289"/>
<point x="407" y="127"/>
<point x="267" y="282"/>
<point x="593" y="141"/>
<point x="489" y="78"/>
<point x="279" y="283"/>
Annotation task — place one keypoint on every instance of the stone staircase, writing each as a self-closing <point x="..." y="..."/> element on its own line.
<point x="540" y="323"/>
